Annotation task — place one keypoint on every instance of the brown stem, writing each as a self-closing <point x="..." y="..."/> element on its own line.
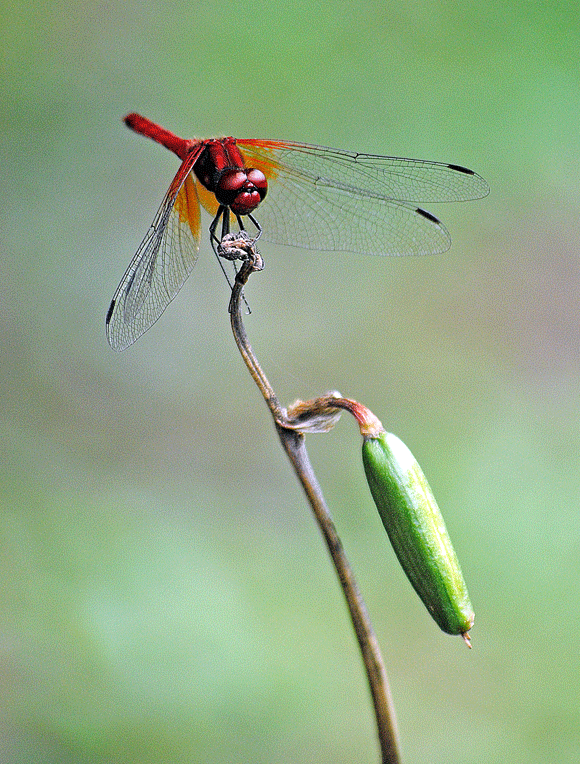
<point x="294" y="445"/>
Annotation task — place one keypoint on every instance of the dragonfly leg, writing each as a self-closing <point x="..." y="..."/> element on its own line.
<point x="225" y="222"/>
<point x="258" y="227"/>
<point x="221" y="213"/>
<point x="254" y="221"/>
<point x="219" y="249"/>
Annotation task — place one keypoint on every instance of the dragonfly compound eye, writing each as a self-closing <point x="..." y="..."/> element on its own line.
<point x="258" y="179"/>
<point x="229" y="185"/>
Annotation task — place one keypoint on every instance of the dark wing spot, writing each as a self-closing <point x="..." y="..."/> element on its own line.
<point x="428" y="215"/>
<point x="110" y="312"/>
<point x="459" y="168"/>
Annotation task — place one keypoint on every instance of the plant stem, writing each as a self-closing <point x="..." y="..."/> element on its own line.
<point x="293" y="443"/>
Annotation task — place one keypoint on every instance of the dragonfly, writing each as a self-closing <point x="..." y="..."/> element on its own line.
<point x="305" y="196"/>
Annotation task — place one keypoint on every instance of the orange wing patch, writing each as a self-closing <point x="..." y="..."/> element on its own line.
<point x="207" y="199"/>
<point x="187" y="206"/>
<point x="260" y="154"/>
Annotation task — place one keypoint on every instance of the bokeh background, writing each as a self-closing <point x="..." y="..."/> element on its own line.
<point x="166" y="596"/>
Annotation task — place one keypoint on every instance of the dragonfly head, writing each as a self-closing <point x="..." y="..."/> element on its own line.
<point x="241" y="190"/>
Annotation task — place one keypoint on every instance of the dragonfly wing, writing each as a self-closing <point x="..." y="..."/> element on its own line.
<point x="394" y="178"/>
<point x="328" y="199"/>
<point x="164" y="260"/>
<point x="333" y="219"/>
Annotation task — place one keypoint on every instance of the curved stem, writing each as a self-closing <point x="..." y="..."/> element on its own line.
<point x="294" y="445"/>
<point x="245" y="348"/>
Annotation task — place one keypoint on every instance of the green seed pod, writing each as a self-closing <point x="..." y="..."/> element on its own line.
<point x="417" y="532"/>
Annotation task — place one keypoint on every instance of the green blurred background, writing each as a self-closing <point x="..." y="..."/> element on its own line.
<point x="166" y="596"/>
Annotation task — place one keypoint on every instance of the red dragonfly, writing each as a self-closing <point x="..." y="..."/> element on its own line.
<point x="309" y="196"/>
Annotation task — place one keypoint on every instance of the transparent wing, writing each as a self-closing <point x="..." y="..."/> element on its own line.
<point x="327" y="199"/>
<point x="164" y="260"/>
